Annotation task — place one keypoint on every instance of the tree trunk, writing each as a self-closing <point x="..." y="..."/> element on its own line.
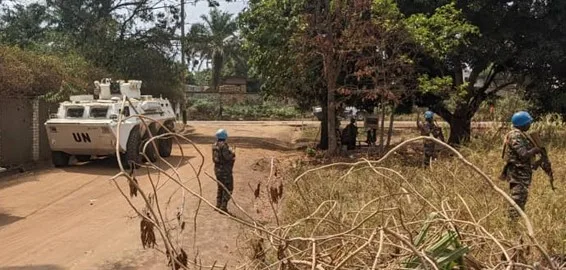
<point x="390" y="131"/>
<point x="331" y="115"/>
<point x="331" y="75"/>
<point x="382" y="128"/>
<point x="461" y="120"/>
<point x="460" y="129"/>
<point x="219" y="104"/>
<point x="217" y="63"/>
<point x="323" y="144"/>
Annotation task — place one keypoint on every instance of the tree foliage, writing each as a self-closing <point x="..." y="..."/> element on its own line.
<point x="104" y="35"/>
<point x="270" y="28"/>
<point x="501" y="44"/>
<point x="29" y="74"/>
<point x="24" y="26"/>
<point x="319" y="51"/>
<point x="463" y="51"/>
<point x="215" y="40"/>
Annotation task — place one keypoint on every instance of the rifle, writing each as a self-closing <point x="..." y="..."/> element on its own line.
<point x="439" y="130"/>
<point x="545" y="164"/>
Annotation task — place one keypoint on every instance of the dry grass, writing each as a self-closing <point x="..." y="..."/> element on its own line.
<point x="378" y="211"/>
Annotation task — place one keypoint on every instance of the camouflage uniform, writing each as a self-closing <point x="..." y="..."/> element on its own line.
<point x="223" y="158"/>
<point x="518" y="169"/>
<point x="427" y="129"/>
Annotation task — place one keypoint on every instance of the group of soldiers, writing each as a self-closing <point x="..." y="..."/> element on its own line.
<point x="519" y="151"/>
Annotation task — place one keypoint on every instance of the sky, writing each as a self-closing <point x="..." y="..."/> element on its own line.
<point x="193" y="12"/>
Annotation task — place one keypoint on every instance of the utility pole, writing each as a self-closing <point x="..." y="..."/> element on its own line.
<point x="183" y="33"/>
<point x="183" y="63"/>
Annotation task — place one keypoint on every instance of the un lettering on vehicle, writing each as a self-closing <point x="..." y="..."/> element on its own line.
<point x="81" y="137"/>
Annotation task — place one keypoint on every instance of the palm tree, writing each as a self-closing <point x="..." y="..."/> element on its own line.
<point x="214" y="40"/>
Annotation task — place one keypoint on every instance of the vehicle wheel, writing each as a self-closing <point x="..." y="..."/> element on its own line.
<point x="83" y="158"/>
<point x="165" y="145"/>
<point x="149" y="150"/>
<point x="60" y="159"/>
<point x="132" y="148"/>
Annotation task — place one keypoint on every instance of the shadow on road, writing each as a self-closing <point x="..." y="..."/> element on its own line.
<point x="7" y="219"/>
<point x="34" y="267"/>
<point x="109" y="166"/>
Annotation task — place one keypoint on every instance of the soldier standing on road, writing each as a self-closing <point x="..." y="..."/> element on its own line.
<point x="223" y="157"/>
<point x="428" y="128"/>
<point x="519" y="151"/>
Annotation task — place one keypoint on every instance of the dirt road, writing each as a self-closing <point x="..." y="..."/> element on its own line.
<point x="75" y="218"/>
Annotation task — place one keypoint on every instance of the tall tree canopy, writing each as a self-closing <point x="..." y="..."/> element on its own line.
<point x="216" y="40"/>
<point x="503" y="43"/>
<point x="129" y="39"/>
<point x="328" y="51"/>
<point x="463" y="52"/>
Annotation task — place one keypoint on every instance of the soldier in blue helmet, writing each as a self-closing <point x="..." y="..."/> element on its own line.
<point x="429" y="128"/>
<point x="223" y="157"/>
<point x="518" y="152"/>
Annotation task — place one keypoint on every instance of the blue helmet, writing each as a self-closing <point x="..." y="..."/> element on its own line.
<point x="521" y="119"/>
<point x="428" y="115"/>
<point x="221" y="134"/>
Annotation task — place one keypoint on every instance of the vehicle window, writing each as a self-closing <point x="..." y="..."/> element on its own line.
<point x="76" y="112"/>
<point x="98" y="112"/>
<point x="126" y="111"/>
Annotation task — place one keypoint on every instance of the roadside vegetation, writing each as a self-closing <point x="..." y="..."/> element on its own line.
<point x="383" y="214"/>
<point x="57" y="48"/>
<point x="206" y="109"/>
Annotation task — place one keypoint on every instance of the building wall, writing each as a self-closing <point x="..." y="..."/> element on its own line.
<point x="232" y="89"/>
<point x="23" y="138"/>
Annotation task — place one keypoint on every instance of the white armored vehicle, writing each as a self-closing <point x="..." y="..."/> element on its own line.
<point x="86" y="127"/>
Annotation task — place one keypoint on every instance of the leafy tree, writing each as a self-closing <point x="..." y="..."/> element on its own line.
<point x="25" y="73"/>
<point x="279" y="59"/>
<point x="24" y="26"/>
<point x="203" y="77"/>
<point x="104" y="32"/>
<point x="502" y="44"/>
<point x="216" y="40"/>
<point x="332" y="50"/>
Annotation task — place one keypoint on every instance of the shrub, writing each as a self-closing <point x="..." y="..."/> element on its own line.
<point x="55" y="77"/>
<point x="202" y="109"/>
<point x="205" y="108"/>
